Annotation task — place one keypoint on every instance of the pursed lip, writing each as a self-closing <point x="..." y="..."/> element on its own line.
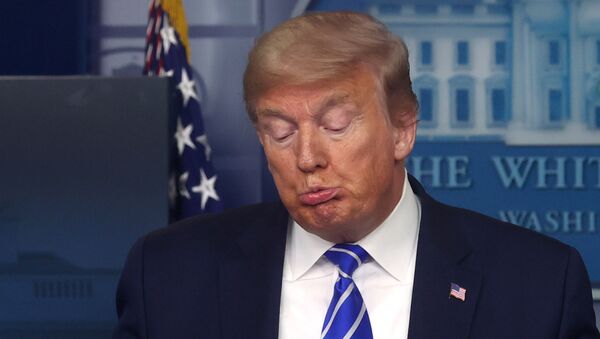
<point x="318" y="195"/>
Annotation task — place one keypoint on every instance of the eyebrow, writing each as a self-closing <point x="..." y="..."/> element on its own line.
<point x="270" y="112"/>
<point x="328" y="103"/>
<point x="331" y="102"/>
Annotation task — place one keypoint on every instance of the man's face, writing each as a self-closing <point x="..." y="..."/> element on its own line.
<point x="336" y="159"/>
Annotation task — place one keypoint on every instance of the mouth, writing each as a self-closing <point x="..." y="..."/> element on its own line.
<point x="318" y="196"/>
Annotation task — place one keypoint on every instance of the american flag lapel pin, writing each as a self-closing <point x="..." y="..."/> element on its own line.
<point x="457" y="292"/>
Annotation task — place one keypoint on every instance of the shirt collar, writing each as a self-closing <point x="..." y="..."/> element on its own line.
<point x="392" y="244"/>
<point x="302" y="251"/>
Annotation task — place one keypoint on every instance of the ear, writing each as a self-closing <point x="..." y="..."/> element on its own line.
<point x="260" y="137"/>
<point x="404" y="139"/>
<point x="262" y="143"/>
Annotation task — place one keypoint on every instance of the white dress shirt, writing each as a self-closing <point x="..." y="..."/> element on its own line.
<point x="385" y="282"/>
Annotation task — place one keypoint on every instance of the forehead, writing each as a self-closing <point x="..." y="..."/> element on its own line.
<point x="358" y="88"/>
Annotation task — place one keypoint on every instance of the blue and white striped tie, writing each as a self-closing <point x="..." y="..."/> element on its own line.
<point x="347" y="315"/>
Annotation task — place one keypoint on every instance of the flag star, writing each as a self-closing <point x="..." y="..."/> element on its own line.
<point x="186" y="86"/>
<point x="183" y="136"/>
<point x="168" y="35"/>
<point x="183" y="185"/>
<point x="203" y="140"/>
<point x="206" y="188"/>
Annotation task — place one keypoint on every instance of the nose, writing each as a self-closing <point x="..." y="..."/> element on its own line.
<point x="311" y="153"/>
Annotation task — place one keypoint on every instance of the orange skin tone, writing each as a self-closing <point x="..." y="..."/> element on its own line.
<point x="337" y="160"/>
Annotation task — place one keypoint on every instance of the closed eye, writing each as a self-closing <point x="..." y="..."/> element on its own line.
<point x="339" y="127"/>
<point x="283" y="137"/>
<point x="278" y="129"/>
<point x="336" y="130"/>
<point x="337" y="120"/>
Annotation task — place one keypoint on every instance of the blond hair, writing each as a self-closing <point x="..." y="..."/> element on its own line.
<point x="319" y="47"/>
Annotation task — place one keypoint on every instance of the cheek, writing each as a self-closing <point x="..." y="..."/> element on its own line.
<point x="368" y="164"/>
<point x="281" y="166"/>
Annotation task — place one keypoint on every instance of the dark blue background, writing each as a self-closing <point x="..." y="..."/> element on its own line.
<point x="45" y="37"/>
<point x="488" y="195"/>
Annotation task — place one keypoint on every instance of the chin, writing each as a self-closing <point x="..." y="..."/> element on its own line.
<point x="324" y="221"/>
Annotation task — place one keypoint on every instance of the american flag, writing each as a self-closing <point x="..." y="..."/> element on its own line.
<point x="457" y="292"/>
<point x="192" y="183"/>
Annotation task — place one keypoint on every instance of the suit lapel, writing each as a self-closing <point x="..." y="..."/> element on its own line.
<point x="250" y="274"/>
<point x="251" y="267"/>
<point x="443" y="257"/>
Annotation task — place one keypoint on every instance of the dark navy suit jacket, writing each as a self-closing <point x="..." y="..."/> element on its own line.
<point x="220" y="277"/>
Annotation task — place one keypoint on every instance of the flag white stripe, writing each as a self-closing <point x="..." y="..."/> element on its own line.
<point x="157" y="24"/>
<point x="150" y="26"/>
<point x="352" y="329"/>
<point x="337" y="308"/>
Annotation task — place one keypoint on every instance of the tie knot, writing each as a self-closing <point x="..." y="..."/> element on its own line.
<point x="347" y="257"/>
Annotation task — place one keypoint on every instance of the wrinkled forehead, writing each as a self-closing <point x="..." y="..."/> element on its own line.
<point x="292" y="106"/>
<point x="357" y="88"/>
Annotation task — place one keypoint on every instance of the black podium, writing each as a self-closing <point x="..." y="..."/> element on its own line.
<point x="83" y="173"/>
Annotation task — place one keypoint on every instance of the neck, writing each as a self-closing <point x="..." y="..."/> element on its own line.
<point x="363" y="228"/>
